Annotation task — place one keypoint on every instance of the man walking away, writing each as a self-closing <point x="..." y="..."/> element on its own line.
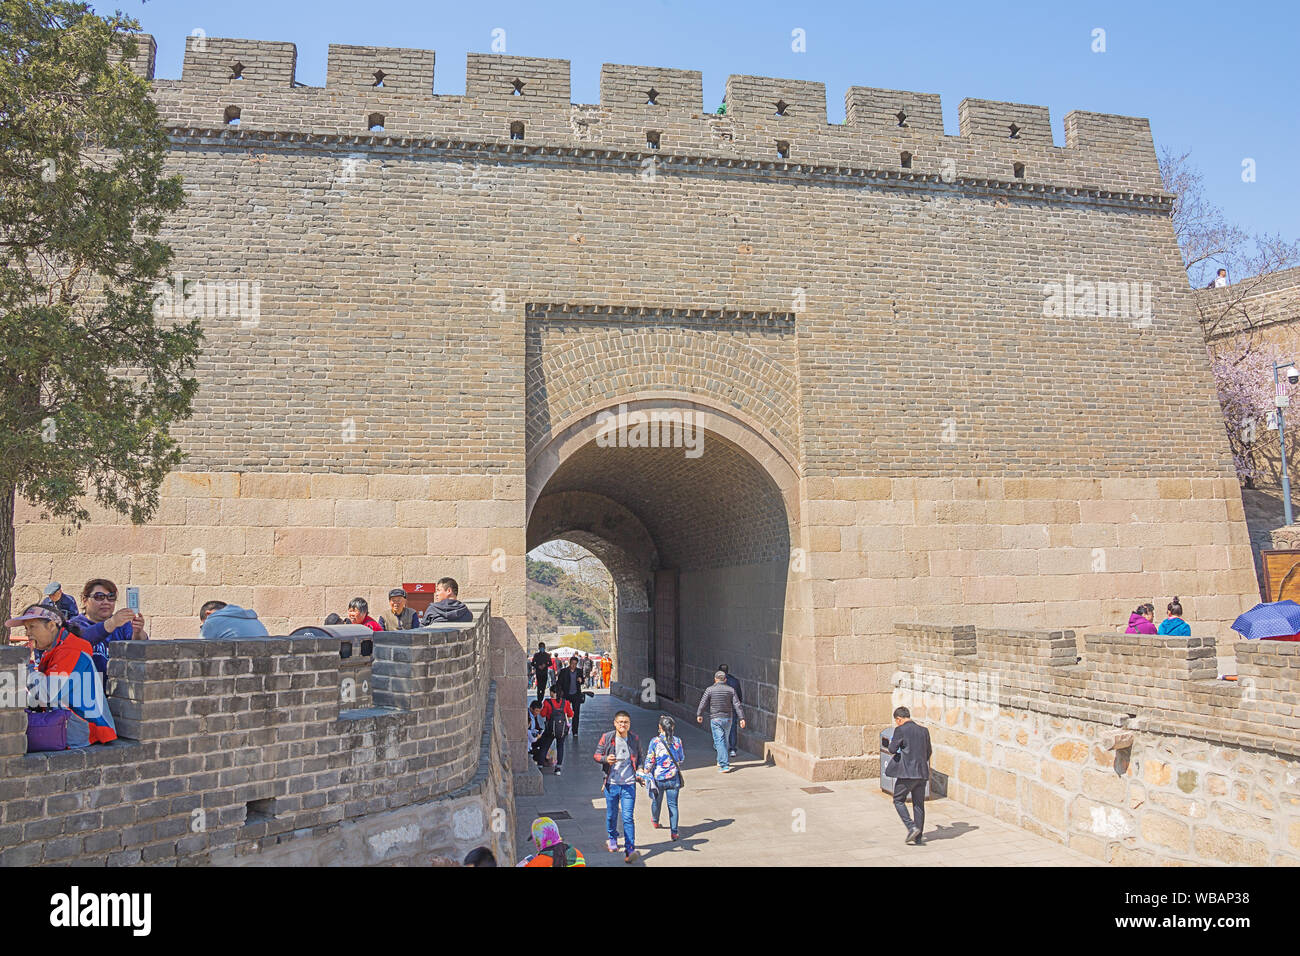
<point x="910" y="768"/>
<point x="541" y="667"/>
<point x="556" y="714"/>
<point x="586" y="669"/>
<point x="620" y="753"/>
<point x="721" y="702"/>
<point x="734" y="684"/>
<point x="570" y="681"/>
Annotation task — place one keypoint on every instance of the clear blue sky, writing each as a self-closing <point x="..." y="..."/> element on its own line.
<point x="1218" y="80"/>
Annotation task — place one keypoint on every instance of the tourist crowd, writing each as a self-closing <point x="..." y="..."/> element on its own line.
<point x="70" y="649"/>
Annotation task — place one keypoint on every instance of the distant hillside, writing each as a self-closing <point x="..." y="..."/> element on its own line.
<point x="556" y="598"/>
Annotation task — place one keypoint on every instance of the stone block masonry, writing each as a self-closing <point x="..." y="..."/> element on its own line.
<point x="453" y="288"/>
<point x="245" y="752"/>
<point x="1135" y="755"/>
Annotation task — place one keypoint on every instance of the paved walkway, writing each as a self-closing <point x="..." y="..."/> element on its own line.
<point x="752" y="816"/>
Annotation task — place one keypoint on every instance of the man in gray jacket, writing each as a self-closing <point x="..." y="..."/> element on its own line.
<point x="910" y="768"/>
<point x="721" y="701"/>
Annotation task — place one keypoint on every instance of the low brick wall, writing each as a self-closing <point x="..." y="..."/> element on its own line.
<point x="1135" y="755"/>
<point x="232" y="750"/>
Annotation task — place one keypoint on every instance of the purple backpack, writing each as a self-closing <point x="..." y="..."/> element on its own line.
<point x="56" y="730"/>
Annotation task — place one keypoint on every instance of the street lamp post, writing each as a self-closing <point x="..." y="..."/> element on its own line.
<point x="1281" y="399"/>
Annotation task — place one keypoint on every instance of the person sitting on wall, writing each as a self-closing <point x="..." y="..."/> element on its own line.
<point x="399" y="616"/>
<point x="1174" y="625"/>
<point x="65" y="602"/>
<point x="1142" y="621"/>
<point x="66" y="677"/>
<point x="100" y="624"/>
<point x="536" y="726"/>
<point x="359" y="613"/>
<point x="446" y="607"/>
<point x="219" y="620"/>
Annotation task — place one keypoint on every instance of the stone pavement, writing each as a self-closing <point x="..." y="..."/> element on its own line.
<point x="750" y="817"/>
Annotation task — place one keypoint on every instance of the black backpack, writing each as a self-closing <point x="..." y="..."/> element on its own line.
<point x="557" y="723"/>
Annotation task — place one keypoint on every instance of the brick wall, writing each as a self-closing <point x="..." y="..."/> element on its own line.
<point x="1136" y="755"/>
<point x="440" y="301"/>
<point x="230" y="750"/>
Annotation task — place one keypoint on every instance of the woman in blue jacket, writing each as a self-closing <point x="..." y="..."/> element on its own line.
<point x="1174" y="624"/>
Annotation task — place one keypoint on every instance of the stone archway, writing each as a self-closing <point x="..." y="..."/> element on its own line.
<point x="724" y="520"/>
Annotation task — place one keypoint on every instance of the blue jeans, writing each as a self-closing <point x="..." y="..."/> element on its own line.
<point x="721" y="727"/>
<point x="621" y="797"/>
<point x="657" y="800"/>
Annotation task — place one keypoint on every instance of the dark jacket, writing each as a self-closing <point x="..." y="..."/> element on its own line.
<point x="450" y="611"/>
<point x="734" y="684"/>
<point x="910" y="746"/>
<point x="721" y="701"/>
<point x="605" y="747"/>
<point x="569" y="681"/>
<point x="68" y="604"/>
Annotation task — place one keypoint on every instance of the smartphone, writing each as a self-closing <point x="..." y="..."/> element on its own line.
<point x="133" y="598"/>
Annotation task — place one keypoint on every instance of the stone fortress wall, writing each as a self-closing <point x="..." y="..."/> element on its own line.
<point x="859" y="307"/>
<point x="272" y="751"/>
<point x="1136" y="754"/>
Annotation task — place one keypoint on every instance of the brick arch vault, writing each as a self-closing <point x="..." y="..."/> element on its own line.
<point x="699" y="538"/>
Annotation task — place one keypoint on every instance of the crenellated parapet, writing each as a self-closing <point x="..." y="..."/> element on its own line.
<point x="245" y="93"/>
<point x="1156" y="683"/>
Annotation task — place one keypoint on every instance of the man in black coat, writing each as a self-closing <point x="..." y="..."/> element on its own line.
<point x="542" y="668"/>
<point x="910" y="768"/>
<point x="734" y="684"/>
<point x="570" y="682"/>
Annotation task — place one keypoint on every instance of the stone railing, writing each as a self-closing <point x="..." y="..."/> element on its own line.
<point x="254" y="751"/>
<point x="1128" y="749"/>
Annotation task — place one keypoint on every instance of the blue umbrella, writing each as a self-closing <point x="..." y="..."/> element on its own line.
<point x="1274" y="619"/>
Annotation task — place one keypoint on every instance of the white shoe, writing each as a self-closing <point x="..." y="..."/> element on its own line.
<point x="559" y="770"/>
<point x="733" y="753"/>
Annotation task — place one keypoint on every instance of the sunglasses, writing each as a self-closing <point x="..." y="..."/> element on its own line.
<point x="103" y="596"/>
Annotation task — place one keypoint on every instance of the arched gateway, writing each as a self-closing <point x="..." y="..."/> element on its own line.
<point x="695" y="512"/>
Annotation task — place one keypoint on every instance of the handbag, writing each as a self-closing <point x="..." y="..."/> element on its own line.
<point x="47" y="730"/>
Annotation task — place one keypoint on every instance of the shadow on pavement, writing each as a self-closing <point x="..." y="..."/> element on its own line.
<point x="950" y="832"/>
<point x="688" y="838"/>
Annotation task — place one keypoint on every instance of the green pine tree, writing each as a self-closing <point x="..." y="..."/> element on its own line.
<point x="90" y="380"/>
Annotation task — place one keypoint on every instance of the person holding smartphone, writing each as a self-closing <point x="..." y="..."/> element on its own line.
<point x="620" y="754"/>
<point x="102" y="622"/>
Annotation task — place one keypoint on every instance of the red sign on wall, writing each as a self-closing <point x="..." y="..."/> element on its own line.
<point x="419" y="596"/>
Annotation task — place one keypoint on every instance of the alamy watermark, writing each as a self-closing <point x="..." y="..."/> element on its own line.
<point x="657" y="428"/>
<point x="195" y="299"/>
<point x="948" y="689"/>
<point x="1082" y="298"/>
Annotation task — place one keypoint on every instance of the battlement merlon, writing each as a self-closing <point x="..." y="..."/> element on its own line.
<point x="264" y="73"/>
<point x="375" y="68"/>
<point x="221" y="64"/>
